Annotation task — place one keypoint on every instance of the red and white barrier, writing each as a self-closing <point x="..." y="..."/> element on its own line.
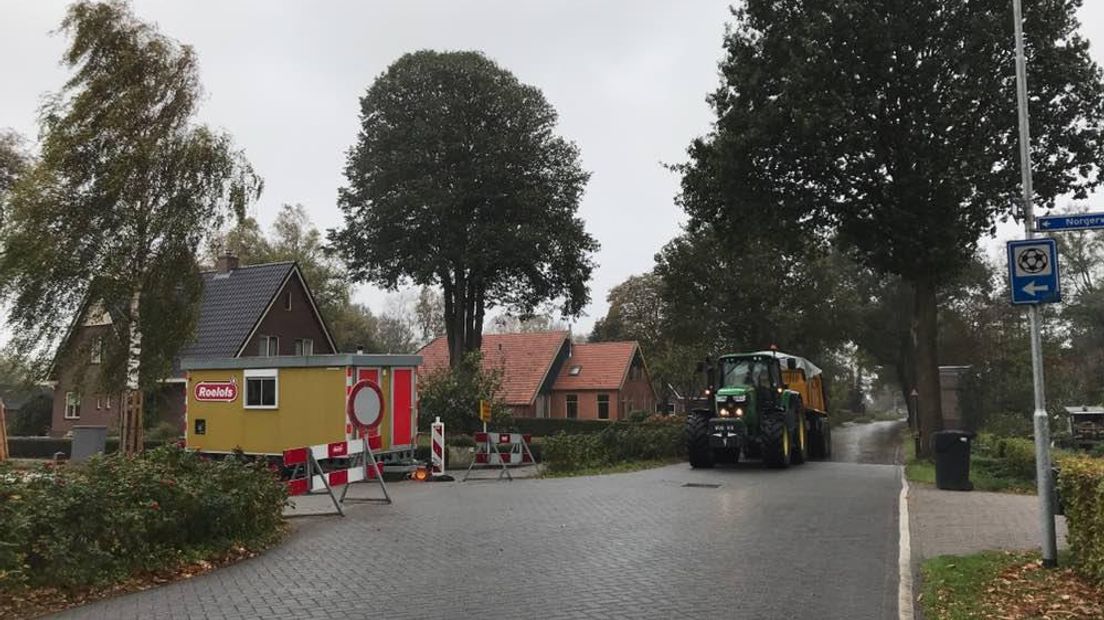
<point x="489" y="453"/>
<point x="437" y="443"/>
<point x="308" y="476"/>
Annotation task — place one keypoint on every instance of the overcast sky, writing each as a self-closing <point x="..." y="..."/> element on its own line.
<point x="628" y="78"/>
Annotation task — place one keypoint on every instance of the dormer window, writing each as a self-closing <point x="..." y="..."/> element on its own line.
<point x="574" y="371"/>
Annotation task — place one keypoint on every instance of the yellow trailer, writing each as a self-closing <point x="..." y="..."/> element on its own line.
<point x="265" y="405"/>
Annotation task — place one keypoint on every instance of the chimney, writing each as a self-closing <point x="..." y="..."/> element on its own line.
<point x="227" y="262"/>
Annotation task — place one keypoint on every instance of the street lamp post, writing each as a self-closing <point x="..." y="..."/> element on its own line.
<point x="1043" y="474"/>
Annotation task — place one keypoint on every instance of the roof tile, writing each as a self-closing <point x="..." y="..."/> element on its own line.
<point x="524" y="359"/>
<point x="231" y="305"/>
<point x="602" y="366"/>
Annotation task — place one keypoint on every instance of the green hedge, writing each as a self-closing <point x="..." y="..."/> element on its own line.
<point x="616" y="443"/>
<point x="544" y="427"/>
<point x="102" y="521"/>
<point x="1081" y="486"/>
<point x="47" y="447"/>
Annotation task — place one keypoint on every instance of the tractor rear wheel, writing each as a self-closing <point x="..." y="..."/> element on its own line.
<point x="776" y="440"/>
<point x="697" y="435"/>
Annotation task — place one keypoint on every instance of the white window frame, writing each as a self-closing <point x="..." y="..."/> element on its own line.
<point x="287" y="301"/>
<point x="72" y="403"/>
<point x="304" y="346"/>
<point x="262" y="373"/>
<point x="267" y="346"/>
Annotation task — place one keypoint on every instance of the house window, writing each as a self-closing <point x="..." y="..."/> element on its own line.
<point x="72" y="406"/>
<point x="574" y="371"/>
<point x="304" y="346"/>
<point x="287" y="301"/>
<point x="572" y="406"/>
<point x="603" y="406"/>
<point x="97" y="350"/>
<point x="99" y="403"/>
<point x="261" y="389"/>
<point x="270" y="346"/>
<point x="108" y="399"/>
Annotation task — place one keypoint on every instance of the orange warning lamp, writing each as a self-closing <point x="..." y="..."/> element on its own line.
<point x="421" y="474"/>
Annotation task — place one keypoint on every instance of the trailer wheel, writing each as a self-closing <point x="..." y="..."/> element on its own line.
<point x="776" y="441"/>
<point x="697" y="435"/>
<point x="818" y="438"/>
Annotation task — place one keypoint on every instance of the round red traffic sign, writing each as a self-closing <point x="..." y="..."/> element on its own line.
<point x="365" y="404"/>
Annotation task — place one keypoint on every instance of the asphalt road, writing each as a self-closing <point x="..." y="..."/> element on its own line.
<point x="876" y="443"/>
<point x="815" y="541"/>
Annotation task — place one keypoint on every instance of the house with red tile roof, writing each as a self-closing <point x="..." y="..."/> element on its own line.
<point x="545" y="375"/>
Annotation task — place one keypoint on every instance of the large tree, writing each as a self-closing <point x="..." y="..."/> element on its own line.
<point x="893" y="124"/>
<point x="458" y="180"/>
<point x="126" y="188"/>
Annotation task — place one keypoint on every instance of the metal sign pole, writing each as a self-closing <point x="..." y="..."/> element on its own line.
<point x="1044" y="479"/>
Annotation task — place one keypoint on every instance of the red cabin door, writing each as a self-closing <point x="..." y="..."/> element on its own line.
<point x="402" y="399"/>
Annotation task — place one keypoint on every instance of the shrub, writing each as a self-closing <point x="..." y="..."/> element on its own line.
<point x="109" y="518"/>
<point x="1017" y="457"/>
<point x="47" y="447"/>
<point x="617" y="443"/>
<point x="1081" y="485"/>
<point x="544" y="427"/>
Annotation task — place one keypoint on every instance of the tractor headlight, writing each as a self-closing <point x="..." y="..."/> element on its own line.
<point x="724" y="412"/>
<point x="739" y="412"/>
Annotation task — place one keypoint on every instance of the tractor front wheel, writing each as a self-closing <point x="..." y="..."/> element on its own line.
<point x="776" y="441"/>
<point x="697" y="435"/>
<point x="799" y="452"/>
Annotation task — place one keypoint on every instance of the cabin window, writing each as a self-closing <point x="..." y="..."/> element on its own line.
<point x="572" y="406"/>
<point x="304" y="346"/>
<point x="603" y="406"/>
<point x="72" y="405"/>
<point x="261" y="389"/>
<point x="269" y="346"/>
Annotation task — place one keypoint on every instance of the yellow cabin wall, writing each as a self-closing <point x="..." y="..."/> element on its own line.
<point x="310" y="411"/>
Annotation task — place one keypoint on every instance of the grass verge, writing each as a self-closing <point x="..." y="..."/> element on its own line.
<point x="1005" y="584"/>
<point x="987" y="474"/>
<point x="617" y="468"/>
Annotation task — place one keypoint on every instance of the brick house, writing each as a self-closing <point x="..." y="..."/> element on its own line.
<point x="545" y="375"/>
<point x="244" y="311"/>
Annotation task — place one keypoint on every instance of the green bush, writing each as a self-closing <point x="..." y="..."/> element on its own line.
<point x="111" y="517"/>
<point x="1081" y="486"/>
<point x="544" y="427"/>
<point x="47" y="447"/>
<point x="1016" y="457"/>
<point x="617" y="443"/>
<point x="453" y="395"/>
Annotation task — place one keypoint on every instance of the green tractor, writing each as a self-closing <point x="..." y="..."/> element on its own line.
<point x="767" y="405"/>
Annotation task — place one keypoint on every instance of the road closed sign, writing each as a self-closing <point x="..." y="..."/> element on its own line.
<point x="216" y="391"/>
<point x="365" y="404"/>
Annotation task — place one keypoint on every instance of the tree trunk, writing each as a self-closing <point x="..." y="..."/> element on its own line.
<point x="926" y="368"/>
<point x="465" y="298"/>
<point x="131" y="433"/>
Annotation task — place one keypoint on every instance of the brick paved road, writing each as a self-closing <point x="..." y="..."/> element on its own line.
<point x="816" y="541"/>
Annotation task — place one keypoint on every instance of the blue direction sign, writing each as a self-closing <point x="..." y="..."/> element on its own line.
<point x="1033" y="271"/>
<point x="1078" y="221"/>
